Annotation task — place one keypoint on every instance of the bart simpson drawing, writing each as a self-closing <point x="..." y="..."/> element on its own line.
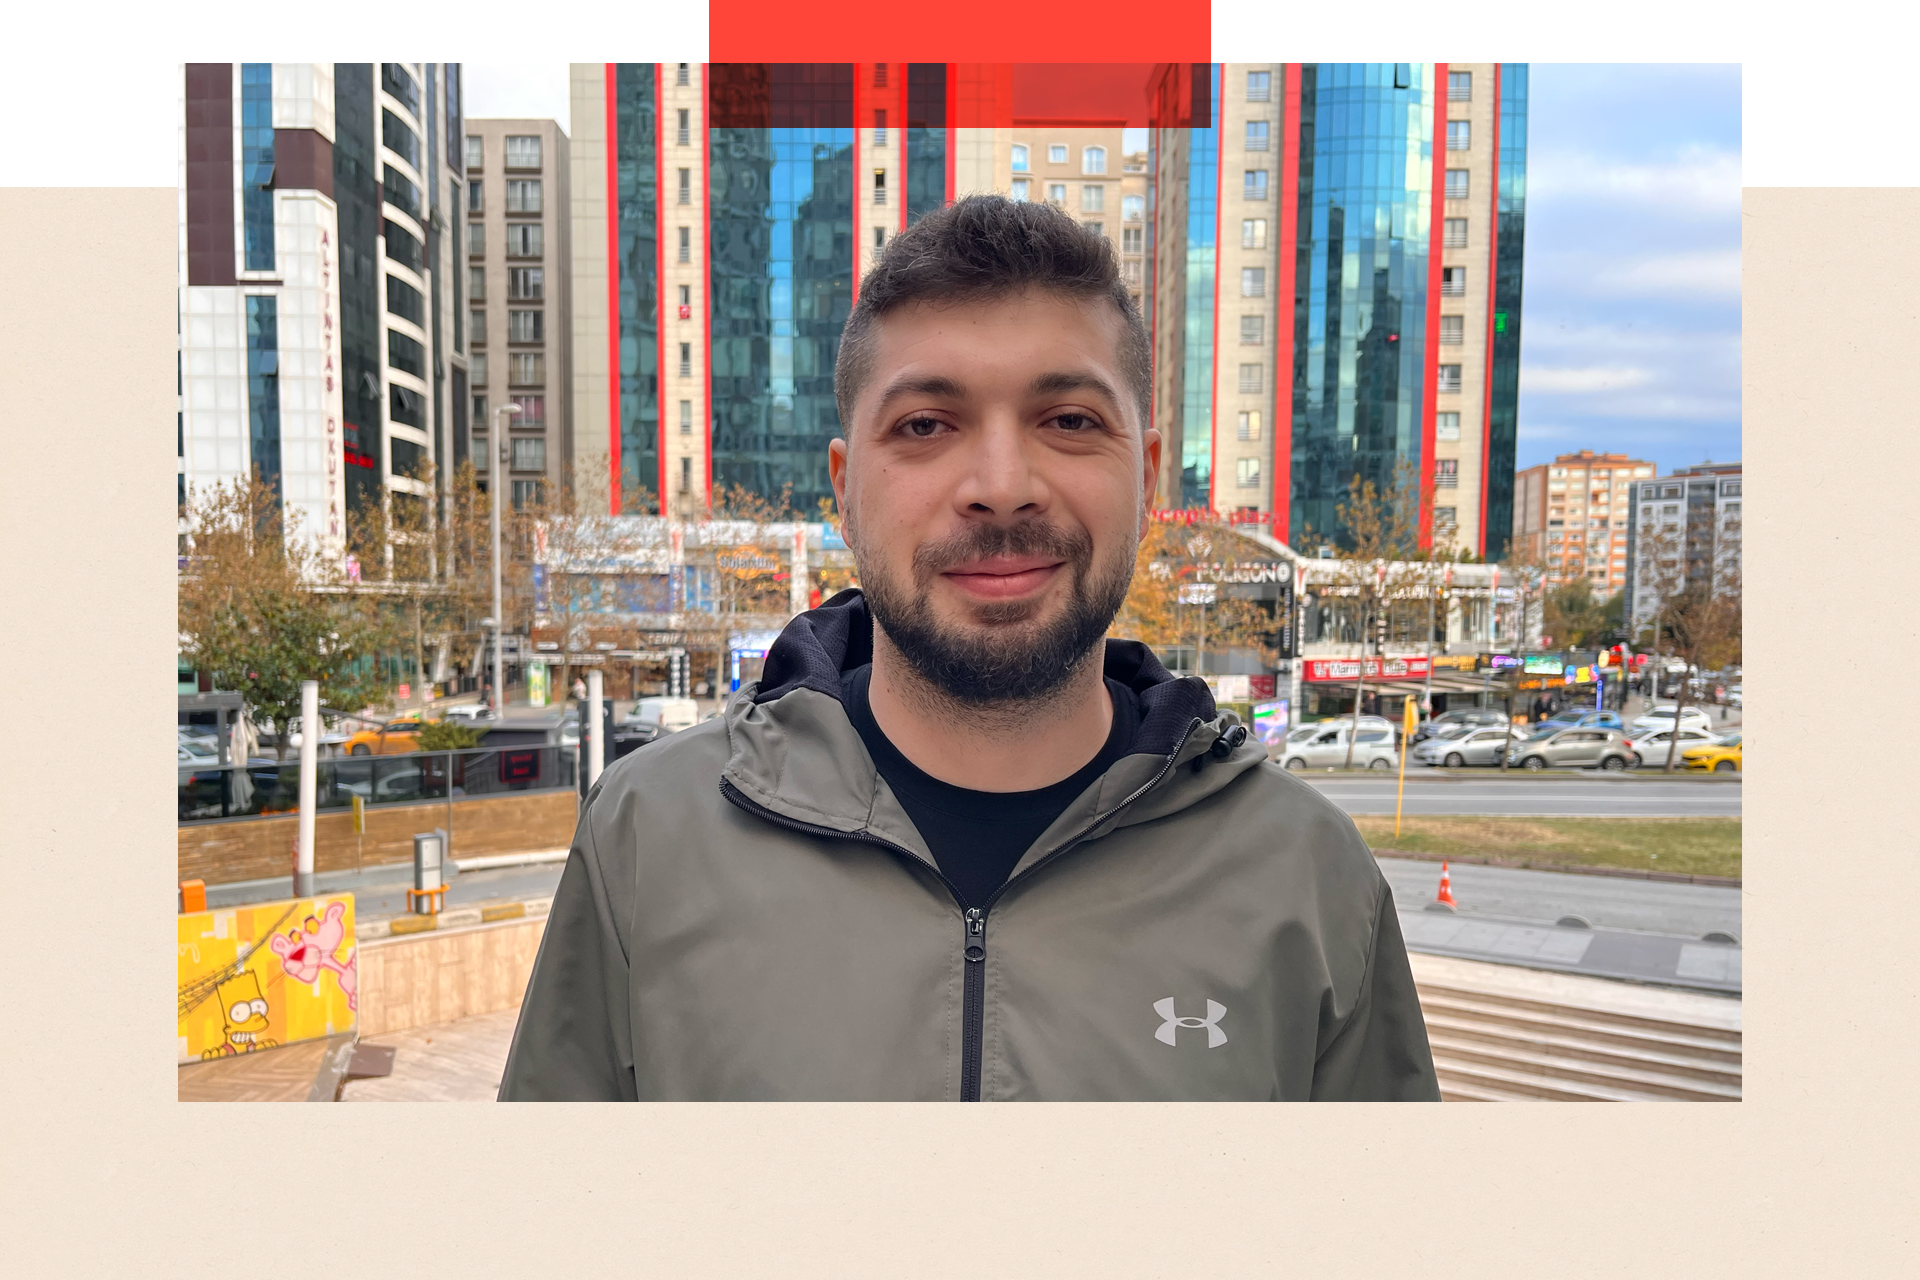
<point x="245" y="1011"/>
<point x="305" y="951"/>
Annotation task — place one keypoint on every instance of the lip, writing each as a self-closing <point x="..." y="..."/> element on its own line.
<point x="1003" y="577"/>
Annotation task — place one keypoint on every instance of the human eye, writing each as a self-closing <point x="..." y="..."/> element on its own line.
<point x="920" y="427"/>
<point x="1074" y="422"/>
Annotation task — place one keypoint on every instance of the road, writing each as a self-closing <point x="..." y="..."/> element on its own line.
<point x="1574" y="795"/>
<point x="1606" y="902"/>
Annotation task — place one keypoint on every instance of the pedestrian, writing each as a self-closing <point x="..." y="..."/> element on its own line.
<point x="953" y="843"/>
<point x="579" y="691"/>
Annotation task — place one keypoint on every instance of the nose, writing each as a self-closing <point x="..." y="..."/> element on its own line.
<point x="1001" y="480"/>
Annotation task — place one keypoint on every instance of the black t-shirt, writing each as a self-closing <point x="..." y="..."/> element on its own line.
<point x="976" y="837"/>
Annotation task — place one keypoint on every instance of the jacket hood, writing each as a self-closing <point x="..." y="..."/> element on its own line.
<point x="819" y="646"/>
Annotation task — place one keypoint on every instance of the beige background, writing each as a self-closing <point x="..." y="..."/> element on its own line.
<point x="103" y="1171"/>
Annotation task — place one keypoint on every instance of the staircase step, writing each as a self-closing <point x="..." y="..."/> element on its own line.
<point x="1571" y="1022"/>
<point x="1603" y="1053"/>
<point x="1496" y="1084"/>
<point x="1441" y="991"/>
<point x="1563" y="1071"/>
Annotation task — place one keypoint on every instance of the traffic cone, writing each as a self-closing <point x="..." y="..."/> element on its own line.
<point x="1444" y="900"/>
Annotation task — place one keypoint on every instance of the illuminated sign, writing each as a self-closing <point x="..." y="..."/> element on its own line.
<point x="1542" y="664"/>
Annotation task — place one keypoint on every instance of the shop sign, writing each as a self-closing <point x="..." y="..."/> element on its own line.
<point x="1496" y="662"/>
<point x="1455" y="662"/>
<point x="1320" y="669"/>
<point x="1270" y="720"/>
<point x="1542" y="664"/>
<point x="1581" y="675"/>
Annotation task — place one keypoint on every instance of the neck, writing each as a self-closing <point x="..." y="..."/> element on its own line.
<point x="1005" y="746"/>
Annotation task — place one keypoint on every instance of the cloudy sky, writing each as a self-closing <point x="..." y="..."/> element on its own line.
<point x="1631" y="340"/>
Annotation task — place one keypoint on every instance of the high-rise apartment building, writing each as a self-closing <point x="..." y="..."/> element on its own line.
<point x="1574" y="513"/>
<point x="322" y="340"/>
<point x="1336" y="282"/>
<point x="1699" y="509"/>
<point x="519" y="322"/>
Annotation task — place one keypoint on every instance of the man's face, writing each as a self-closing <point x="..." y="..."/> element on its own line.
<point x="993" y="483"/>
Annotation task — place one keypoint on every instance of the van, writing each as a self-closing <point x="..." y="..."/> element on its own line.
<point x="670" y="714"/>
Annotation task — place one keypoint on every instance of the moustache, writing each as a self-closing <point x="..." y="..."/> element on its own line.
<point x="980" y="542"/>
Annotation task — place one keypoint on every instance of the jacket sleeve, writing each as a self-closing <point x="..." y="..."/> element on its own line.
<point x="573" y="1042"/>
<point x="1381" y="1053"/>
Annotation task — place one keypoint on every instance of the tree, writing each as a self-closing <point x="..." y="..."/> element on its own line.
<point x="256" y="612"/>
<point x="1176" y="555"/>
<point x="1697" y="618"/>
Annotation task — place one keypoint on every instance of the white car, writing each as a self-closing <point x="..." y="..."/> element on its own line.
<point x="470" y="711"/>
<point x="1651" y="749"/>
<point x="1661" y="717"/>
<point x="671" y="714"/>
<point x="1327" y="749"/>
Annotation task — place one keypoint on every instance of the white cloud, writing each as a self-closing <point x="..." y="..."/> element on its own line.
<point x="517" y="91"/>
<point x="1700" y="180"/>
<point x="1596" y="378"/>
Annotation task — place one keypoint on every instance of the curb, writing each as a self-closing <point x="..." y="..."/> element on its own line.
<point x="1481" y="773"/>
<point x="1524" y="864"/>
<point x="468" y="916"/>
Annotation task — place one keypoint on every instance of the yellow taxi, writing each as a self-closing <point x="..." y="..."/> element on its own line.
<point x="396" y="737"/>
<point x="1721" y="757"/>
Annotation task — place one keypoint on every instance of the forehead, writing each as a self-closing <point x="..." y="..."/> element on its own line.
<point x="1001" y="341"/>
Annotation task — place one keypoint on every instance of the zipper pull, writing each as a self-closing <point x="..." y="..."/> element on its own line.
<point x="975" y="949"/>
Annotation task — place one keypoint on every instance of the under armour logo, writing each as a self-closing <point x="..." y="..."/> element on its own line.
<point x="1169" y="1029"/>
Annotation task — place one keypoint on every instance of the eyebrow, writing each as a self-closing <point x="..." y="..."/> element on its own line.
<point x="1054" y="383"/>
<point x="924" y="385"/>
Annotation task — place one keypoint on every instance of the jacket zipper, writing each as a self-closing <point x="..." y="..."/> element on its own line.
<point x="973" y="939"/>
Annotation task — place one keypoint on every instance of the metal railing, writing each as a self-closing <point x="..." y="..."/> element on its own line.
<point x="214" y="792"/>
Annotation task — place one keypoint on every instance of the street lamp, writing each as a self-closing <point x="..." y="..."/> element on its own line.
<point x="497" y="455"/>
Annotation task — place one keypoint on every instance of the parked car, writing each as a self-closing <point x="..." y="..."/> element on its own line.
<point x="1573" y="748"/>
<point x="1733" y="695"/>
<point x="670" y="714"/>
<point x="1327" y="749"/>
<point x="1475" y="744"/>
<point x="1466" y="718"/>
<point x="470" y="711"/>
<point x="1716" y="757"/>
<point x="1650" y="749"/>
<point x="1662" y="717"/>
<point x="196" y="752"/>
<point x="396" y="737"/>
<point x="1582" y="718"/>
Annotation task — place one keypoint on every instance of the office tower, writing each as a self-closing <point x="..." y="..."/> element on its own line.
<point x="1702" y="506"/>
<point x="519" y="325"/>
<point x="1573" y="513"/>
<point x="321" y="340"/>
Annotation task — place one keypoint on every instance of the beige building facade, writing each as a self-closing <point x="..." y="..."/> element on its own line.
<point x="1573" y="513"/>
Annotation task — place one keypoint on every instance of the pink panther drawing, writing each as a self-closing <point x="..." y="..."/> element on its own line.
<point x="305" y="951"/>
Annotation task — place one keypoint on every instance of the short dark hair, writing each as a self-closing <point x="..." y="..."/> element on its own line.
<point x="983" y="247"/>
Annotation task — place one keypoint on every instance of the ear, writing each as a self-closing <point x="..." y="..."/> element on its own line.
<point x="837" y="473"/>
<point x="1149" y="474"/>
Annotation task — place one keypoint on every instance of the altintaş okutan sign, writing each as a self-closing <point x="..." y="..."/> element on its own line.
<point x="1324" y="669"/>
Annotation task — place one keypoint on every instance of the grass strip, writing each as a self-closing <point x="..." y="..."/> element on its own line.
<point x="1689" y="846"/>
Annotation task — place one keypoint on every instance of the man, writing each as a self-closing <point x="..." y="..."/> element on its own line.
<point x="954" y="844"/>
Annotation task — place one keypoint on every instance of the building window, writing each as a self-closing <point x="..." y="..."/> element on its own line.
<point x="683" y="132"/>
<point x="527" y="369"/>
<point x="1730" y="489"/>
<point x="526" y="284"/>
<point x="1453" y="282"/>
<point x="1446" y="425"/>
<point x="1459" y="135"/>
<point x="479" y="410"/>
<point x="1249" y="424"/>
<point x="1093" y="159"/>
<point x="476" y="147"/>
<point x="685" y="250"/>
<point x="1456" y="233"/>
<point x="686" y="475"/>
<point x="529" y="455"/>
<point x="400" y="191"/>
<point x="1254" y="186"/>
<point x="404" y="300"/>
<point x="879" y="127"/>
<point x="879" y="186"/>
<point x="1459" y="86"/>
<point x="406" y="355"/>
<point x="406" y="406"/>
<point x="680" y="74"/>
<point x="1133" y="208"/>
<point x="526" y="240"/>
<point x="526" y="493"/>
<point x="402" y="247"/>
<point x="396" y="80"/>
<point x="1253" y="233"/>
<point x="477" y="283"/>
<point x="1133" y="239"/>
<point x="1449" y="379"/>
<point x="1130" y="272"/>
<point x="1253" y="330"/>
<point x="1253" y="282"/>
<point x="477" y="371"/>
<point x="1022" y="190"/>
<point x="523" y="152"/>
<point x="686" y="298"/>
<point x="1250" y="379"/>
<point x="476" y="239"/>
<point x="1457" y="184"/>
<point x="523" y="195"/>
<point x="1098" y="228"/>
<point x="686" y="417"/>
<point x="1019" y="158"/>
<point x="1057" y="153"/>
<point x="1259" y="86"/>
<point x="686" y="359"/>
<point x="533" y="411"/>
<point x="1057" y="194"/>
<point x="1257" y="135"/>
<point x="1093" y="197"/>
<point x="398" y="138"/>
<point x="1446" y="473"/>
<point x="526" y="326"/>
<point x="685" y="190"/>
<point x="476" y="196"/>
<point x="1445" y="522"/>
<point x="1246" y="473"/>
<point x="879" y="75"/>
<point x="1453" y="330"/>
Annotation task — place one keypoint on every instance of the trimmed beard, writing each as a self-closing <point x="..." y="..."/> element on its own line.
<point x="1008" y="655"/>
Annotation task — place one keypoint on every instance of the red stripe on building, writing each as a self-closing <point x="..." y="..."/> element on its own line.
<point x="703" y="395"/>
<point x="861" y="71"/>
<point x="613" y="292"/>
<point x="1124" y="31"/>
<point x="1219" y="203"/>
<point x="1283" y="286"/>
<point x="1435" y="239"/>
<point x="660" y="281"/>
<point x="1493" y="280"/>
<point x="953" y="114"/>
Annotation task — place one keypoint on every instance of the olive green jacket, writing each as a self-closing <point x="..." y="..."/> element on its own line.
<point x="747" y="912"/>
